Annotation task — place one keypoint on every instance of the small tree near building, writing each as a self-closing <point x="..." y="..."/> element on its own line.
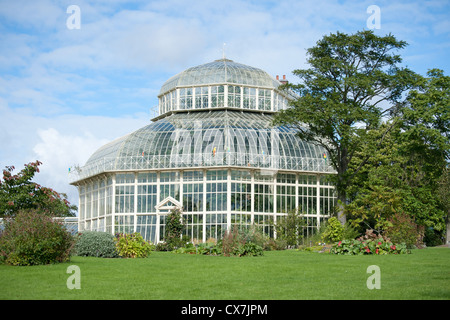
<point x="18" y="192"/>
<point x="174" y="228"/>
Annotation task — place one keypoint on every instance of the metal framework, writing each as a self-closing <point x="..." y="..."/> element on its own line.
<point x="213" y="151"/>
<point x="208" y="139"/>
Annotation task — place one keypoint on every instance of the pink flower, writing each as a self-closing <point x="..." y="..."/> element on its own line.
<point x="339" y="243"/>
<point x="379" y="243"/>
<point x="376" y="251"/>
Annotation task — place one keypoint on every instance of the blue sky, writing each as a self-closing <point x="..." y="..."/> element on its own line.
<point x="66" y="92"/>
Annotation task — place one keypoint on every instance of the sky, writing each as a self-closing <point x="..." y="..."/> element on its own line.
<point x="75" y="75"/>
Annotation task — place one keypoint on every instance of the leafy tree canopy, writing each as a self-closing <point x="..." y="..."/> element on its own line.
<point x="352" y="83"/>
<point x="408" y="173"/>
<point x="18" y="192"/>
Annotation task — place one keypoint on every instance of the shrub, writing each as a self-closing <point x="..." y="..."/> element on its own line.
<point x="248" y="249"/>
<point x="34" y="237"/>
<point x="188" y="248"/>
<point x="274" y="244"/>
<point x="356" y="247"/>
<point x="174" y="229"/>
<point x="289" y="228"/>
<point x="370" y="243"/>
<point x="163" y="246"/>
<point x="230" y="241"/>
<point x="95" y="244"/>
<point x="237" y="242"/>
<point x="432" y="238"/>
<point x="371" y="235"/>
<point x="349" y="232"/>
<point x="206" y="248"/>
<point x="132" y="245"/>
<point x="402" y="228"/>
<point x="334" y="231"/>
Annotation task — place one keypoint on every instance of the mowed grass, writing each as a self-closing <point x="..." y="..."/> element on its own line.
<point x="278" y="275"/>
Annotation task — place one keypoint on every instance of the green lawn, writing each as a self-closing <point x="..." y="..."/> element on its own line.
<point x="278" y="275"/>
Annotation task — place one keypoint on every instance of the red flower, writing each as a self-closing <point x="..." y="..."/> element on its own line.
<point x="339" y="243"/>
<point x="376" y="251"/>
<point x="379" y="243"/>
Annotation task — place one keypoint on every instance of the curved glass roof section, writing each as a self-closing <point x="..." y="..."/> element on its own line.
<point x="208" y="139"/>
<point x="220" y="72"/>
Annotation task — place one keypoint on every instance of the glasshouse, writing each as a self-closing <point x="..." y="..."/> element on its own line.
<point x="213" y="153"/>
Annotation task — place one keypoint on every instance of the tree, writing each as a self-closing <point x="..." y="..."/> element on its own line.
<point x="341" y="97"/>
<point x="290" y="227"/>
<point x="174" y="228"/>
<point x="444" y="196"/>
<point x="393" y="182"/>
<point x="406" y="174"/>
<point x="18" y="192"/>
<point x="425" y="124"/>
<point x="426" y="134"/>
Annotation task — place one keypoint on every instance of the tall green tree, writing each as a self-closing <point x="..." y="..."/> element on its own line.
<point x="392" y="182"/>
<point x="407" y="174"/>
<point x="444" y="196"/>
<point x="18" y="192"/>
<point x="352" y="83"/>
<point x="425" y="124"/>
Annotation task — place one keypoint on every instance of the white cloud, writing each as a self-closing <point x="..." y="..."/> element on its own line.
<point x="39" y="16"/>
<point x="57" y="151"/>
<point x="58" y="142"/>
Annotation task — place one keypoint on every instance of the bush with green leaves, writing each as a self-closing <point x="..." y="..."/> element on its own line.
<point x="95" y="244"/>
<point x="370" y="243"/>
<point x="187" y="248"/>
<point x="432" y="237"/>
<point x="290" y="228"/>
<point x="334" y="231"/>
<point x="231" y="240"/>
<point x="163" y="246"/>
<point x="33" y="237"/>
<point x="357" y="247"/>
<point x="174" y="229"/>
<point x="132" y="245"/>
<point x="402" y="228"/>
<point x="237" y="242"/>
<point x="248" y="249"/>
<point x="207" y="248"/>
<point x="274" y="244"/>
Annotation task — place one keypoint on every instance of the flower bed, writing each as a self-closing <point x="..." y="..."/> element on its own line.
<point x="368" y="244"/>
<point x="353" y="247"/>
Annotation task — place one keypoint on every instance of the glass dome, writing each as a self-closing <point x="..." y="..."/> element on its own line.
<point x="213" y="152"/>
<point x="223" y="71"/>
<point x="209" y="139"/>
<point x="222" y="84"/>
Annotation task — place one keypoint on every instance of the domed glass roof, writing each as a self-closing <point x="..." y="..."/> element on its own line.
<point x="209" y="139"/>
<point x="220" y="72"/>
